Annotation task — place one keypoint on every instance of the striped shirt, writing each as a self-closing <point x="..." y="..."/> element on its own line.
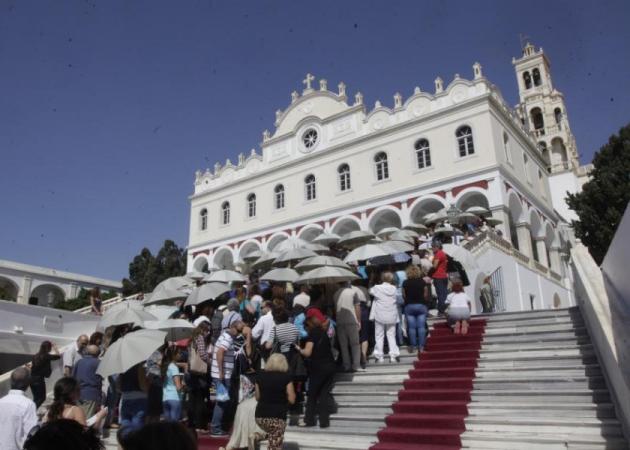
<point x="226" y="342"/>
<point x="286" y="334"/>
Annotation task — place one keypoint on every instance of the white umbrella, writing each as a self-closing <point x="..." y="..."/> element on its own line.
<point x="225" y="276"/>
<point x="364" y="252"/>
<point x="195" y="275"/>
<point x="174" y="283"/>
<point x="161" y="312"/>
<point x="176" y="329"/>
<point x="319" y="248"/>
<point x="393" y="247"/>
<point x="253" y="256"/>
<point x="417" y="227"/>
<point x="466" y="217"/>
<point x="387" y="231"/>
<point x="491" y="221"/>
<point x="292" y="243"/>
<point x="294" y="255"/>
<point x="319" y="261"/>
<point x="446" y="231"/>
<point x="404" y="235"/>
<point x="326" y="275"/>
<point x="281" y="275"/>
<point x="462" y="255"/>
<point x="436" y="216"/>
<point x="164" y="296"/>
<point x="131" y="349"/>
<point x="205" y="292"/>
<point x="478" y="210"/>
<point x="123" y="315"/>
<point x="355" y="238"/>
<point x="326" y="239"/>
<point x="266" y="258"/>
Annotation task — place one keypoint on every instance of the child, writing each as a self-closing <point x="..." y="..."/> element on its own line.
<point x="458" y="306"/>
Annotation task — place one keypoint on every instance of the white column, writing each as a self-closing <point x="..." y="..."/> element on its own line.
<point x="524" y="239"/>
<point x="404" y="215"/>
<point x="364" y="221"/>
<point x="541" y="247"/>
<point x="25" y="290"/>
<point x="555" y="261"/>
<point x="74" y="289"/>
<point x="500" y="213"/>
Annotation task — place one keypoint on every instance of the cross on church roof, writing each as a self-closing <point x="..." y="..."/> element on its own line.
<point x="308" y="80"/>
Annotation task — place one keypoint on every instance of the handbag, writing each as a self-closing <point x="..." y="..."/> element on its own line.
<point x="196" y="365"/>
<point x="297" y="368"/>
<point x="222" y="393"/>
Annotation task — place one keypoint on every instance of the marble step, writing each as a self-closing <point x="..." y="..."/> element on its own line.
<point x="526" y="396"/>
<point x="541" y="364"/>
<point x="527" y="315"/>
<point x="538" y="321"/>
<point x="542" y="409"/>
<point x="303" y="440"/>
<point x="531" y="441"/>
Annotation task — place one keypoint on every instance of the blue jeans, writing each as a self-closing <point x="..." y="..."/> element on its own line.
<point x="399" y="325"/>
<point x="441" y="289"/>
<point x="219" y="407"/>
<point x="172" y="410"/>
<point x="132" y="414"/>
<point x="416" y="319"/>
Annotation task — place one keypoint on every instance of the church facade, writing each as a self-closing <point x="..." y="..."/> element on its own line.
<point x="334" y="164"/>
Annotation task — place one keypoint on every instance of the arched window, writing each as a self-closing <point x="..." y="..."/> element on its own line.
<point x="465" y="141"/>
<point x="536" y="76"/>
<point x="527" y="80"/>
<point x="423" y="153"/>
<point x="203" y="219"/>
<point x="279" y="196"/>
<point x="506" y="147"/>
<point x="541" y="182"/>
<point x="558" y="115"/>
<point x="309" y="186"/>
<point x="225" y="213"/>
<point x="344" y="177"/>
<point x="251" y="205"/>
<point x="538" y="120"/>
<point x="382" y="168"/>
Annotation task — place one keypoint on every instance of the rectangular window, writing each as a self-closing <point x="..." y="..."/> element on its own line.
<point x="280" y="200"/>
<point x="382" y="171"/>
<point x="424" y="158"/>
<point x="344" y="180"/>
<point x="252" y="209"/>
<point x="310" y="191"/>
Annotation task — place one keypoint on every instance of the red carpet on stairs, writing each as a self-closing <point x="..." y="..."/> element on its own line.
<point x="211" y="443"/>
<point x="431" y="408"/>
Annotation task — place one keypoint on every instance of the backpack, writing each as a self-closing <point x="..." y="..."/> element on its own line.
<point x="452" y="265"/>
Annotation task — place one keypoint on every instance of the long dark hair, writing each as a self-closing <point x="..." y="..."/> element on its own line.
<point x="64" y="393"/>
<point x="169" y="356"/>
<point x="44" y="349"/>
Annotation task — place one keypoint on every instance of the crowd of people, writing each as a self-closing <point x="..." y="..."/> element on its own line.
<point x="260" y="358"/>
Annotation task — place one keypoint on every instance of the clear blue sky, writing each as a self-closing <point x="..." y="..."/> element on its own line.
<point x="108" y="107"/>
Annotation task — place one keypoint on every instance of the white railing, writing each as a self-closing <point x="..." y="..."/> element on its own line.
<point x="107" y="303"/>
<point x="607" y="317"/>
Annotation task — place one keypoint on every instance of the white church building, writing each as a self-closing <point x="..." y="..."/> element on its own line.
<point x="334" y="164"/>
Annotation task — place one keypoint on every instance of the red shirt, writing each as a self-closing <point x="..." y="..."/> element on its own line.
<point x="440" y="270"/>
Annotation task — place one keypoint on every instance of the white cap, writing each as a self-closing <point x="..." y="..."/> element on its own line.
<point x="199" y="320"/>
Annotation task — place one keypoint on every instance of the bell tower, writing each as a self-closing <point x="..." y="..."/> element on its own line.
<point x="543" y="112"/>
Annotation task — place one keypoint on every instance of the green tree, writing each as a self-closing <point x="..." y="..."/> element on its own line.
<point x="147" y="270"/>
<point x="603" y="200"/>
